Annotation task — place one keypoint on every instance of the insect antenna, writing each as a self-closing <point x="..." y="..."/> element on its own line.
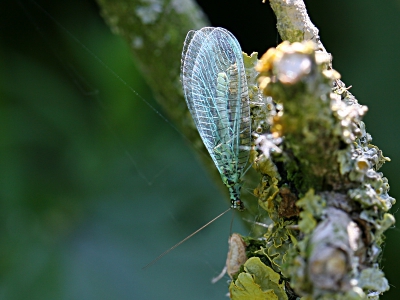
<point x="184" y="240"/>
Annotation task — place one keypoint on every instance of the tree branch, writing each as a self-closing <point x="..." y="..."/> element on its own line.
<point x="155" y="32"/>
<point x="329" y="205"/>
<point x="320" y="183"/>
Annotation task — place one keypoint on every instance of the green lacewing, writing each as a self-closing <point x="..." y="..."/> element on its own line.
<point x="215" y="88"/>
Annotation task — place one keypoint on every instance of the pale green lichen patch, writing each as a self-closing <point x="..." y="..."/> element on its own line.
<point x="356" y="294"/>
<point x="258" y="281"/>
<point x="373" y="279"/>
<point x="149" y="11"/>
<point x="314" y="204"/>
<point x="307" y="222"/>
<point x="381" y="226"/>
<point x="312" y="207"/>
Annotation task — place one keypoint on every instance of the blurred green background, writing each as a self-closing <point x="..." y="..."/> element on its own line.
<point x="94" y="185"/>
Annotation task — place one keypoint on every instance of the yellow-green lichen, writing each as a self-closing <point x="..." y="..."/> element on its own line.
<point x="258" y="281"/>
<point x="266" y="192"/>
<point x="266" y="166"/>
<point x="278" y="240"/>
